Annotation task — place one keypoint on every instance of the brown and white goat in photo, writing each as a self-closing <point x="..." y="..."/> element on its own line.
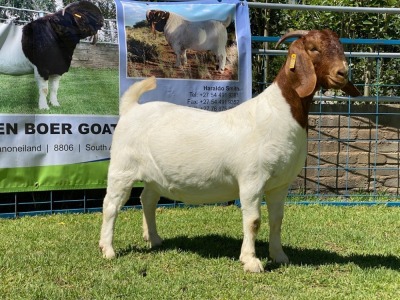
<point x="182" y="34"/>
<point x="46" y="45"/>
<point x="253" y="150"/>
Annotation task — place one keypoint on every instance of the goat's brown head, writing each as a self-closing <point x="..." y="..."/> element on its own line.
<point x="87" y="17"/>
<point x="316" y="60"/>
<point x="157" y="19"/>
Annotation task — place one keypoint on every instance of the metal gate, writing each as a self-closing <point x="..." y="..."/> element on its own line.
<point x="353" y="143"/>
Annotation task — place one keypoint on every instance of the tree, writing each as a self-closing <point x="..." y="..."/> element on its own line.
<point x="374" y="72"/>
<point x="107" y="7"/>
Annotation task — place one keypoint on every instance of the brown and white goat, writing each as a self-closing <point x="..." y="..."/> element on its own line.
<point x="45" y="46"/>
<point x="253" y="150"/>
<point x="182" y="34"/>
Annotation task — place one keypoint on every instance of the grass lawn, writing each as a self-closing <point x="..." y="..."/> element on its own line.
<point x="335" y="252"/>
<point x="81" y="91"/>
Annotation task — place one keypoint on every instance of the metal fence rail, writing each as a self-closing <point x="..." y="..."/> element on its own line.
<point x="342" y="128"/>
<point x="331" y="173"/>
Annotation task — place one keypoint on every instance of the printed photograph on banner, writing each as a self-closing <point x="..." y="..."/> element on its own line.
<point x="183" y="41"/>
<point x="50" y="63"/>
<point x="59" y="99"/>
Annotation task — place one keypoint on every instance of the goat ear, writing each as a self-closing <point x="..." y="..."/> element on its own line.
<point x="299" y="64"/>
<point x="351" y="90"/>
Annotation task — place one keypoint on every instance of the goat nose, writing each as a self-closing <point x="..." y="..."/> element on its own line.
<point x="342" y="73"/>
<point x="342" y="70"/>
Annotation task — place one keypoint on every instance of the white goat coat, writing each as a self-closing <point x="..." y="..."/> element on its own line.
<point x="204" y="35"/>
<point x="204" y="157"/>
<point x="12" y="59"/>
<point x="210" y="35"/>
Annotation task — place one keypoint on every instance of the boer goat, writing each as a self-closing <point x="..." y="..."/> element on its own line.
<point x="45" y="46"/>
<point x="195" y="156"/>
<point x="182" y="34"/>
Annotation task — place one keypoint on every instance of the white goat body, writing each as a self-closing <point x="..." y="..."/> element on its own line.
<point x="256" y="143"/>
<point x="12" y="58"/>
<point x="182" y="34"/>
<point x="195" y="156"/>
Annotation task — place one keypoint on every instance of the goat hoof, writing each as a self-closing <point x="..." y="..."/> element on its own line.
<point x="254" y="266"/>
<point x="280" y="258"/>
<point x="108" y="252"/>
<point x="155" y="242"/>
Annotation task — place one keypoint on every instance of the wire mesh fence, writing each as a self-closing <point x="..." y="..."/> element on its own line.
<point x="353" y="143"/>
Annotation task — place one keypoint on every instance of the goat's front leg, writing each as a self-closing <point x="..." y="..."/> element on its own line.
<point x="184" y="57"/>
<point x="43" y="88"/>
<point x="275" y="204"/>
<point x="221" y="57"/>
<point x="54" y="82"/>
<point x="149" y="201"/>
<point x="251" y="211"/>
<point x="178" y="51"/>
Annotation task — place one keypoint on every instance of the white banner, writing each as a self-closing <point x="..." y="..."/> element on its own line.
<point x="44" y="140"/>
<point x="200" y="51"/>
<point x="65" y="144"/>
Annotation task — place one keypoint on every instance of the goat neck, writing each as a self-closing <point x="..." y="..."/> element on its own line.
<point x="288" y="80"/>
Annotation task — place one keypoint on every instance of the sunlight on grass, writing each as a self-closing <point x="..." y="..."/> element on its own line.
<point x="81" y="91"/>
<point x="336" y="253"/>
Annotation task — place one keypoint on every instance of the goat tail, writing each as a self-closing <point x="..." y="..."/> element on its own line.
<point x="131" y="97"/>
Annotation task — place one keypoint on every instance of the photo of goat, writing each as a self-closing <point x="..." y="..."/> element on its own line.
<point x="168" y="45"/>
<point x="44" y="47"/>
<point x="182" y="34"/>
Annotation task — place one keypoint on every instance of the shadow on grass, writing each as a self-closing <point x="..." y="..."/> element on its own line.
<point x="215" y="246"/>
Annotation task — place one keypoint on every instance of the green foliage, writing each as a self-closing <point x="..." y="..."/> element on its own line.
<point x="45" y="5"/>
<point x="380" y="75"/>
<point x="107" y="7"/>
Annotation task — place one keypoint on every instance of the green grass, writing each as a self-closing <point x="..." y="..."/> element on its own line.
<point x="336" y="253"/>
<point x="81" y="91"/>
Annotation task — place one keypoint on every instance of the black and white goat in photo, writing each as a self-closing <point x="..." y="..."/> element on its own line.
<point x="253" y="150"/>
<point x="45" y="46"/>
<point x="182" y="34"/>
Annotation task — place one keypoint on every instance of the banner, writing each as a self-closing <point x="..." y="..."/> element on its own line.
<point x="55" y="131"/>
<point x="67" y="144"/>
<point x="200" y="51"/>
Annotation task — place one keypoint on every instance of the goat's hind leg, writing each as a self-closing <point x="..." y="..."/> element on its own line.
<point x="149" y="199"/>
<point x="118" y="191"/>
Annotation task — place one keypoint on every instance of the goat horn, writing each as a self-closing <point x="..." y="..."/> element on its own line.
<point x="295" y="33"/>
<point x="65" y="7"/>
